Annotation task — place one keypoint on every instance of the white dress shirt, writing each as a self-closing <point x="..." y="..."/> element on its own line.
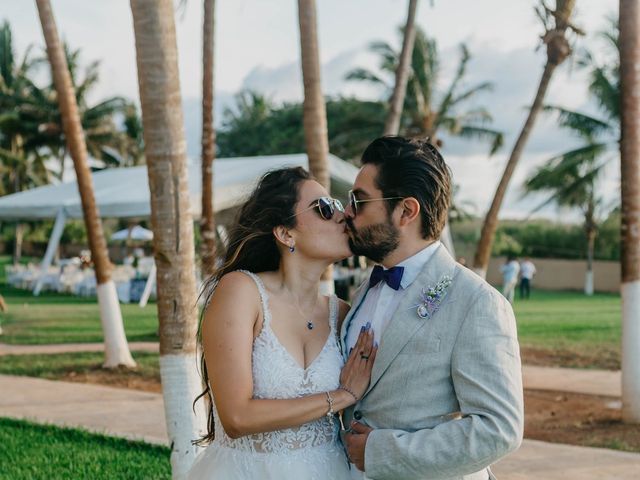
<point x="381" y="301"/>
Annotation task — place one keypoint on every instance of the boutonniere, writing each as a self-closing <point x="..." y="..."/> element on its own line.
<point x="431" y="297"/>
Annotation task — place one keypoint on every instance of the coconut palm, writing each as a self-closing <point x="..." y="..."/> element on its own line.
<point x="430" y="110"/>
<point x="392" y="123"/>
<point x="572" y="176"/>
<point x="314" y="117"/>
<point x="116" y="348"/>
<point x="630" y="228"/>
<point x="171" y="221"/>
<point x="105" y="140"/>
<point x="557" y="25"/>
<point x="207" y="223"/>
<point x="571" y="179"/>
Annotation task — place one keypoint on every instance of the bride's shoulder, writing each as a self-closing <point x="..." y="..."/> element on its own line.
<point x="236" y="285"/>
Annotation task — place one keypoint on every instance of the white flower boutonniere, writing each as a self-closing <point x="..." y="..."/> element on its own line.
<point x="431" y="297"/>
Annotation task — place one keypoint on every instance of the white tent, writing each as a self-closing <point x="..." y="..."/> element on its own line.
<point x="124" y="192"/>
<point x="135" y="233"/>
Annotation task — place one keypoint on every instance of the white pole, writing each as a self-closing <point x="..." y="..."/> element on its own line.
<point x="52" y="246"/>
<point x="115" y="341"/>
<point x="181" y="384"/>
<point x="151" y="280"/>
<point x="631" y="352"/>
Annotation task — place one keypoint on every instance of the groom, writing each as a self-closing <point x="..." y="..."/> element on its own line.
<point x="445" y="399"/>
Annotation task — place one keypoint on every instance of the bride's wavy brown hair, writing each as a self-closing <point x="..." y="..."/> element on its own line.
<point x="252" y="247"/>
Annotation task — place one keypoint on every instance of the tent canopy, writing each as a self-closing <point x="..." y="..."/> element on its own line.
<point x="124" y="192"/>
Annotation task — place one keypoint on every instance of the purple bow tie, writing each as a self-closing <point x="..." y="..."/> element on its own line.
<point x="392" y="277"/>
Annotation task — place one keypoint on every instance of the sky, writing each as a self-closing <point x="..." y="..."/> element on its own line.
<point x="257" y="47"/>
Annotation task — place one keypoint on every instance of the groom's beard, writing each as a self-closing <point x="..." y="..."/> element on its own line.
<point x="375" y="241"/>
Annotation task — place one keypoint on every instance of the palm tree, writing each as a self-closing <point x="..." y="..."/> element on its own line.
<point x="556" y="24"/>
<point x="20" y="168"/>
<point x="207" y="223"/>
<point x="171" y="221"/>
<point x="426" y="113"/>
<point x="630" y="228"/>
<point x="116" y="348"/>
<point x="314" y="116"/>
<point x="104" y="138"/>
<point x="571" y="179"/>
<point x="572" y="175"/>
<point x="392" y="123"/>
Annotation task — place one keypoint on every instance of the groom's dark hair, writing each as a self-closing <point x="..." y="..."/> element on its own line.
<point x="413" y="168"/>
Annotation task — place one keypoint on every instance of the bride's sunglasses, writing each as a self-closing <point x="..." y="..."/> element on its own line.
<point x="326" y="207"/>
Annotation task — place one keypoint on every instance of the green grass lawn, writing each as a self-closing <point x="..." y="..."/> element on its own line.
<point x="63" y="318"/>
<point x="569" y="319"/>
<point x="569" y="329"/>
<point x="32" y="452"/>
<point x="60" y="318"/>
<point x="64" y="365"/>
<point x="579" y="331"/>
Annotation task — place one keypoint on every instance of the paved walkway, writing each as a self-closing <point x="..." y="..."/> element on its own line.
<point x="590" y="382"/>
<point x="140" y="415"/>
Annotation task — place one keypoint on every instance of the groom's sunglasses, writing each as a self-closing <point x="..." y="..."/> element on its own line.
<point x="353" y="201"/>
<point x="326" y="207"/>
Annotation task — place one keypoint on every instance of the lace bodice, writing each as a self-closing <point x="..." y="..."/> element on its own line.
<point x="277" y="375"/>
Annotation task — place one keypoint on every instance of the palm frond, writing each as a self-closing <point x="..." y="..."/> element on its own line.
<point x="586" y="126"/>
<point x="462" y="67"/>
<point x="494" y="137"/>
<point x="364" y="75"/>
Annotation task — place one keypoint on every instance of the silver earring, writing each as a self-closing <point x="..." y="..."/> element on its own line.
<point x="292" y="248"/>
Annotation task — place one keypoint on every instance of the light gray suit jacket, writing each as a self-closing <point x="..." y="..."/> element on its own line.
<point x="445" y="399"/>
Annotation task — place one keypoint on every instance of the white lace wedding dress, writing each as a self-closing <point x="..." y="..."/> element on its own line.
<point x="310" y="451"/>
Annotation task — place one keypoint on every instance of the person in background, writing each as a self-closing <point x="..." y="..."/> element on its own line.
<point x="510" y="271"/>
<point x="527" y="271"/>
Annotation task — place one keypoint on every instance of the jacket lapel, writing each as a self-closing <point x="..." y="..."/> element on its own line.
<point x="405" y="321"/>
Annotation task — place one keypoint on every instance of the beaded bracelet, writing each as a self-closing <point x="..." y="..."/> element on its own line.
<point x="342" y="387"/>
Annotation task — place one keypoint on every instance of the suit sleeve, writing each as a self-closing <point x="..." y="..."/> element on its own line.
<point x="487" y="378"/>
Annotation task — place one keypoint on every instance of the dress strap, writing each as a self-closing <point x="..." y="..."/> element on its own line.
<point x="264" y="296"/>
<point x="333" y="311"/>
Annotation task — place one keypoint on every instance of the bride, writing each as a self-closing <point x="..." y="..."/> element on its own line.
<point x="274" y="373"/>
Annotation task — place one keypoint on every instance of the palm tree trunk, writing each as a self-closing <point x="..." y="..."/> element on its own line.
<point x="490" y="225"/>
<point x="116" y="347"/>
<point x="207" y="223"/>
<point x="17" y="246"/>
<point x="591" y="242"/>
<point x="171" y="221"/>
<point x="314" y="109"/>
<point x="557" y="51"/>
<point x="392" y="123"/>
<point x="630" y="187"/>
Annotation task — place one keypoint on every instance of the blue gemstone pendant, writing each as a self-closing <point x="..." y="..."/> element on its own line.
<point x="310" y="325"/>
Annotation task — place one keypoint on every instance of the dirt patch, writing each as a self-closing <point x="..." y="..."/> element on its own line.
<point x="603" y="359"/>
<point x="577" y="419"/>
<point x="121" y="377"/>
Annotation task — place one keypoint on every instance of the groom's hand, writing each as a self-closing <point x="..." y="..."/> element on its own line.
<point x="355" y="441"/>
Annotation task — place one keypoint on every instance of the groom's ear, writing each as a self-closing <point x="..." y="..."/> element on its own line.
<point x="410" y="211"/>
